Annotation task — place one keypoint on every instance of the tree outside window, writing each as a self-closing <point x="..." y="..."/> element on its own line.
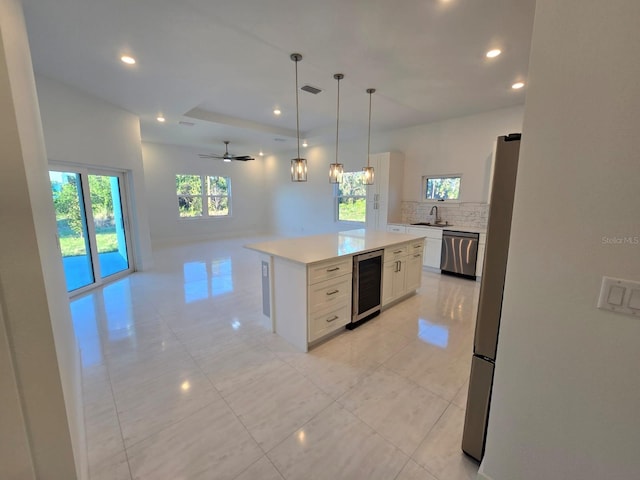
<point x="351" y="196"/>
<point x="445" y="187"/>
<point x="203" y="196"/>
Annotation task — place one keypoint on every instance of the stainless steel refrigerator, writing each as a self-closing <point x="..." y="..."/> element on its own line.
<point x="490" y="302"/>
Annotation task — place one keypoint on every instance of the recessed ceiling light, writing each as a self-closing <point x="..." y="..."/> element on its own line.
<point x="517" y="85"/>
<point x="305" y="144"/>
<point x="261" y="153"/>
<point x="160" y="118"/>
<point x="494" y="53"/>
<point x="128" y="60"/>
<point x="277" y="111"/>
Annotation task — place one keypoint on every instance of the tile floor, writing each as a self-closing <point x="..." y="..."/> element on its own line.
<point x="183" y="381"/>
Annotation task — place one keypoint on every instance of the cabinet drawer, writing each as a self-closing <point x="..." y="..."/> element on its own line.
<point x="321" y="324"/>
<point x="397" y="228"/>
<point x="396" y="252"/>
<point x="329" y="294"/>
<point x="417" y="246"/>
<point x="331" y="269"/>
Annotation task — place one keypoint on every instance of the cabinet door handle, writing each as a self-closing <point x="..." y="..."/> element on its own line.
<point x="335" y="317"/>
<point x="417" y="246"/>
<point x="397" y="251"/>
<point x="333" y="292"/>
<point x="334" y="269"/>
<point x="416" y="255"/>
<point x="399" y="266"/>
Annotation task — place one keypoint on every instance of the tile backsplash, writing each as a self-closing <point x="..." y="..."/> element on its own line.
<point x="460" y="214"/>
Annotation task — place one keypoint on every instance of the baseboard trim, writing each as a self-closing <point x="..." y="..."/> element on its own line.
<point x="482" y="475"/>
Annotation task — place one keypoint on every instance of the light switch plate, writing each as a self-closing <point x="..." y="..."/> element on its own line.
<point x="619" y="296"/>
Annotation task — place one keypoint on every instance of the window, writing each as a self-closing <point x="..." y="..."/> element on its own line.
<point x="203" y="196"/>
<point x="442" y="187"/>
<point x="351" y="195"/>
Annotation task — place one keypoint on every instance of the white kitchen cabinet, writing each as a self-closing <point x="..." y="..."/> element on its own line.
<point x="328" y="297"/>
<point x="384" y="197"/>
<point x="393" y="280"/>
<point x="432" y="252"/>
<point x="401" y="271"/>
<point x="396" y="228"/>
<point x="432" y="244"/>
<point x="324" y="322"/>
<point x="413" y="274"/>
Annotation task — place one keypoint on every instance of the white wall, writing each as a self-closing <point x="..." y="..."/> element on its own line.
<point x="567" y="387"/>
<point x="84" y="130"/>
<point x="41" y="413"/>
<point x="307" y="208"/>
<point x="250" y="201"/>
<point x="461" y="145"/>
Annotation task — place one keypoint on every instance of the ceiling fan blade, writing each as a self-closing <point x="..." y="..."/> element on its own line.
<point x="227" y="157"/>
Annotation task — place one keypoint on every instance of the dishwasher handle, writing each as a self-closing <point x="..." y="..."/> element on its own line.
<point x="455" y="233"/>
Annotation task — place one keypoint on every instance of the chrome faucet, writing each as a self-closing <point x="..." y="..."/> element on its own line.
<point x="435" y="219"/>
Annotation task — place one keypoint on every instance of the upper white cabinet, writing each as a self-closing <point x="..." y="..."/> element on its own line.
<point x="384" y="197"/>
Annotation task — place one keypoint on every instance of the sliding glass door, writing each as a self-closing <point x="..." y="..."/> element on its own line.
<point x="90" y="214"/>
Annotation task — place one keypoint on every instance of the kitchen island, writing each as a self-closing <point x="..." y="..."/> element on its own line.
<point x="307" y="281"/>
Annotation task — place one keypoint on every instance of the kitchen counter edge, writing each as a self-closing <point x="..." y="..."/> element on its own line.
<point x="319" y="248"/>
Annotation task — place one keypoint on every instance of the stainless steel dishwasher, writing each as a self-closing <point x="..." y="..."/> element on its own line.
<point x="459" y="253"/>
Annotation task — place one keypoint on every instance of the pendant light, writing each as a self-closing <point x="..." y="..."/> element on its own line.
<point x="337" y="169"/>
<point x="368" y="170"/>
<point x="298" y="165"/>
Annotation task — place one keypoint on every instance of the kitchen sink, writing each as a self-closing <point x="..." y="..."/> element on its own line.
<point x="426" y="224"/>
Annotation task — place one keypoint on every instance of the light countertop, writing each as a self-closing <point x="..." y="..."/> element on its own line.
<point x="317" y="248"/>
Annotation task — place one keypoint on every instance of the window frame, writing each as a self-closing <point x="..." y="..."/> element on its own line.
<point x="205" y="196"/>
<point x="337" y="198"/>
<point x="426" y="178"/>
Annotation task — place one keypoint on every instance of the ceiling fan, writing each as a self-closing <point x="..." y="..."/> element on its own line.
<point x="227" y="157"/>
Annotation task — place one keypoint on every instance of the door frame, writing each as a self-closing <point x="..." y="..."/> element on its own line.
<point x="123" y="180"/>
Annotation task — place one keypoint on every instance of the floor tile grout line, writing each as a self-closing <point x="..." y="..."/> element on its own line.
<point x="301" y="427"/>
<point x="169" y="425"/>
<point x="115" y="404"/>
<point x="424" y="438"/>
<point x="368" y="373"/>
<point x="385" y="437"/>
<point x="419" y="385"/>
<point x="403" y="467"/>
<point x="222" y="397"/>
<point x="357" y="418"/>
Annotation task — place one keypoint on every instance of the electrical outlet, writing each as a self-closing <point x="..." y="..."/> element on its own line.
<point x="620" y="296"/>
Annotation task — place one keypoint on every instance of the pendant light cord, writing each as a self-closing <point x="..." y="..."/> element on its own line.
<point x="369" y="141"/>
<point x="297" y="112"/>
<point x="337" y="119"/>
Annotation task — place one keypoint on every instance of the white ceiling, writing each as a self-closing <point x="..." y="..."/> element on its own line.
<point x="227" y="62"/>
